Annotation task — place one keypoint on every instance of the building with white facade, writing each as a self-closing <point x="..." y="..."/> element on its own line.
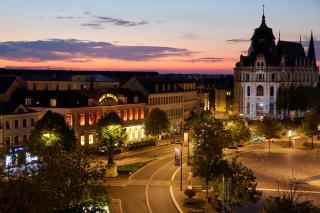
<point x="266" y="68"/>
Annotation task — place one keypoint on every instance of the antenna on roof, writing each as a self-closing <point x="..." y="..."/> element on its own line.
<point x="279" y="35"/>
<point x="300" y="38"/>
<point x="263" y="9"/>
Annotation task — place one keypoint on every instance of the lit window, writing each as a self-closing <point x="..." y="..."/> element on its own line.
<point x="91" y="118"/>
<point x="259" y="90"/>
<point x="98" y="116"/>
<point x="28" y="101"/>
<point x="259" y="109"/>
<point x="82" y="120"/>
<point x="130" y="133"/>
<point x="90" y="139"/>
<point x="53" y="102"/>
<point x="125" y="115"/>
<point x="136" y="135"/>
<point x="82" y="140"/>
<point x="130" y="114"/>
<point x="69" y="119"/>
<point x="136" y="114"/>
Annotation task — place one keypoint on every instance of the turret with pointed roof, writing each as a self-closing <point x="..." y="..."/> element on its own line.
<point x="311" y="52"/>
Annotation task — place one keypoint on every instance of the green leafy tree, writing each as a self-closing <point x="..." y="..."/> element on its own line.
<point x="111" y="134"/>
<point x="240" y="132"/>
<point x="209" y="140"/>
<point x="61" y="178"/>
<point x="52" y="131"/>
<point x="156" y="122"/>
<point x="310" y="125"/>
<point x="270" y="128"/>
<point x="192" y="119"/>
<point x="240" y="182"/>
<point x="289" y="200"/>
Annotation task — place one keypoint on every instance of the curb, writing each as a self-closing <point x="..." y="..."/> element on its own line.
<point x="176" y="204"/>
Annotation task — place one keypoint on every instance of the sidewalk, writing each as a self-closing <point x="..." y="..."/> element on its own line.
<point x="197" y="183"/>
<point x="178" y="196"/>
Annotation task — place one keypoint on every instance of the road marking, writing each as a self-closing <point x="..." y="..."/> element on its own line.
<point x="147" y="186"/>
<point x="153" y="161"/>
<point x="285" y="190"/>
<point x="174" y="200"/>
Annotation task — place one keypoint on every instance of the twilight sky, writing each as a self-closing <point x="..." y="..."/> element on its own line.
<point x="198" y="36"/>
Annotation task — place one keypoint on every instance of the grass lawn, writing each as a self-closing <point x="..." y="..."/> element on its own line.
<point x="131" y="168"/>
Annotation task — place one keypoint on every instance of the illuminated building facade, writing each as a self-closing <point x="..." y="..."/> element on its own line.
<point x="267" y="68"/>
<point x="82" y="109"/>
<point x="176" y="96"/>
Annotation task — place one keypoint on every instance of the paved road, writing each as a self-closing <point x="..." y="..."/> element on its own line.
<point x="148" y="189"/>
<point x="282" y="164"/>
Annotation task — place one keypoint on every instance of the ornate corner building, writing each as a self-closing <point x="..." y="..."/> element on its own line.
<point x="268" y="67"/>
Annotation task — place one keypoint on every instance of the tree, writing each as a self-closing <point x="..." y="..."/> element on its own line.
<point x="156" y="122"/>
<point x="111" y="134"/>
<point x="209" y="140"/>
<point x="310" y="125"/>
<point x="269" y="128"/>
<point x="240" y="133"/>
<point x="61" y="176"/>
<point x="239" y="181"/>
<point x="289" y="200"/>
<point x="192" y="119"/>
<point x="51" y="131"/>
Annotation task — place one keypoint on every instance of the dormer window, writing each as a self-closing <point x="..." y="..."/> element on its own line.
<point x="163" y="87"/>
<point x="53" y="102"/>
<point x="28" y="102"/>
<point x="90" y="102"/>
<point x="156" y="87"/>
<point x="136" y="99"/>
<point x="168" y="87"/>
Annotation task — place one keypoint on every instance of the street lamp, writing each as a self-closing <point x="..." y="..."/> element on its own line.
<point x="289" y="134"/>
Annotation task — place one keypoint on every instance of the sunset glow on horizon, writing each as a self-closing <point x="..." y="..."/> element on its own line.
<point x="181" y="36"/>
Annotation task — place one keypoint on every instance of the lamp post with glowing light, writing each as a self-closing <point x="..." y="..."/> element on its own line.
<point x="289" y="134"/>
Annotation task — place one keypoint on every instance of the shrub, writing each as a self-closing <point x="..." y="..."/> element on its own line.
<point x="141" y="144"/>
<point x="190" y="193"/>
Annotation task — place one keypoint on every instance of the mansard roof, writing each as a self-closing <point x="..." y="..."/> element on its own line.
<point x="263" y="43"/>
<point x="292" y="51"/>
<point x="5" y="83"/>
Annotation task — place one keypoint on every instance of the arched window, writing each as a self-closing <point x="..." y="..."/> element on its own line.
<point x="247" y="77"/>
<point x="259" y="90"/>
<point x="273" y="77"/>
<point x="248" y="91"/>
<point x="271" y="91"/>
